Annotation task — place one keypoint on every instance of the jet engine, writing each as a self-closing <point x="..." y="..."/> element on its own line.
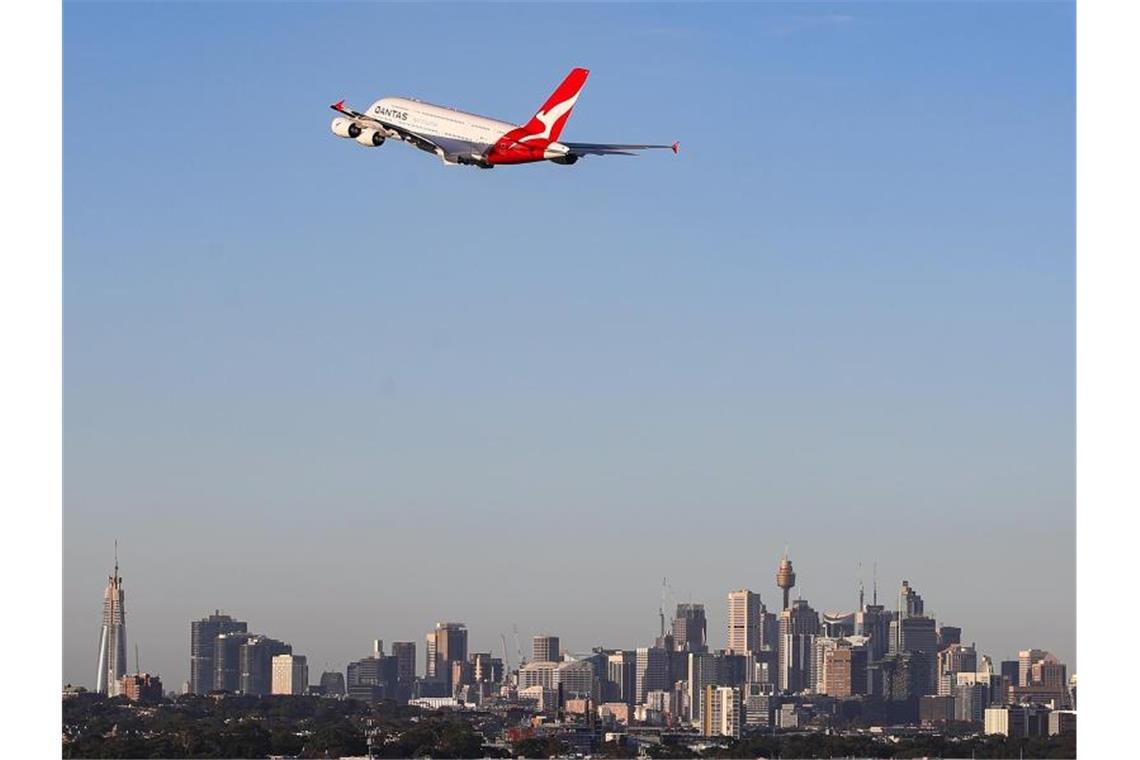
<point x="342" y="127"/>
<point x="369" y="137"/>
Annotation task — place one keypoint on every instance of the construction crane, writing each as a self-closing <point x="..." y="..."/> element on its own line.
<point x="506" y="660"/>
<point x="518" y="646"/>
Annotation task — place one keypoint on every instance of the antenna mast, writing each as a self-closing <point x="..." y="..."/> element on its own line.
<point x="875" y="587"/>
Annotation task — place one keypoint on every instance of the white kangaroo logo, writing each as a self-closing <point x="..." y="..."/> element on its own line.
<point x="551" y="117"/>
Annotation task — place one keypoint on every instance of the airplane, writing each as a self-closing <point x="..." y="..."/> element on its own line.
<point x="462" y="138"/>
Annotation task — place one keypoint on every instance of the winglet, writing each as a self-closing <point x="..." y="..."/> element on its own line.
<point x="676" y="146"/>
<point x="338" y="106"/>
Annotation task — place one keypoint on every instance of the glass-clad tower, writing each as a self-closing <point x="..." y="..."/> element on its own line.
<point x="113" y="637"/>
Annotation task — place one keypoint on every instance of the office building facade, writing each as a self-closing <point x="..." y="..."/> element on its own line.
<point x="203" y="642"/>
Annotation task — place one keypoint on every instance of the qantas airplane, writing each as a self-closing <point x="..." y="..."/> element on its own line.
<point x="458" y="137"/>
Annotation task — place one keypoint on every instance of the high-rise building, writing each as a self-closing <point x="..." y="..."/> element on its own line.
<point x="997" y="686"/>
<point x="652" y="672"/>
<point x="874" y="622"/>
<point x="1025" y="660"/>
<point x="578" y="679"/>
<point x="820" y="646"/>
<point x="227" y="660"/>
<point x="916" y="633"/>
<point x="485" y="668"/>
<point x="971" y="701"/>
<point x="1010" y="669"/>
<point x="951" y="661"/>
<point x="538" y="674"/>
<point x="703" y="671"/>
<point x="910" y="603"/>
<point x="373" y="678"/>
<point x="446" y="644"/>
<point x="405" y="654"/>
<point x="256" y="660"/>
<point x="203" y="640"/>
<point x="290" y="674"/>
<point x="947" y="635"/>
<point x="621" y="674"/>
<point x="799" y="625"/>
<point x="690" y="629"/>
<point x="845" y="669"/>
<point x="546" y="648"/>
<point x="722" y="711"/>
<point x="1045" y="680"/>
<point x="332" y="684"/>
<point x="430" y="657"/>
<point x="112" y="636"/>
<point x="750" y="626"/>
<point x="901" y="677"/>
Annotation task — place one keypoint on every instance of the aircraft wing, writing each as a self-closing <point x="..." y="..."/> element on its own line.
<point x="612" y="149"/>
<point x="431" y="145"/>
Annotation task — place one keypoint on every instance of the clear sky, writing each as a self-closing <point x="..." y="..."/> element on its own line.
<point x="344" y="393"/>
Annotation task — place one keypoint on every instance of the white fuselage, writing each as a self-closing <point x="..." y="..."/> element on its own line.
<point x="440" y="122"/>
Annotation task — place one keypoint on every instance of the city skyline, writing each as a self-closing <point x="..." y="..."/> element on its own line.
<point x="906" y="602"/>
<point x="347" y="395"/>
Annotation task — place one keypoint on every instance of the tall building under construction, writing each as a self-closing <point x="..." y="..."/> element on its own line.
<point x="112" y="637"/>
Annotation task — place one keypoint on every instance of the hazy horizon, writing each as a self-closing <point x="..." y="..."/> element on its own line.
<point x="343" y="393"/>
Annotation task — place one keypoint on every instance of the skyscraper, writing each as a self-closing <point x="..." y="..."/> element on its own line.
<point x="373" y="678"/>
<point x="1011" y="670"/>
<point x="1025" y="660"/>
<point x="750" y="626"/>
<point x="203" y="638"/>
<point x="290" y="674"/>
<point x="621" y="670"/>
<point x="703" y="670"/>
<point x="914" y="634"/>
<point x="951" y="661"/>
<point x="405" y="654"/>
<point x="256" y="660"/>
<point x="227" y="660"/>
<point x="690" y="628"/>
<point x="546" y="648"/>
<point x="845" y="669"/>
<point x="874" y="622"/>
<point x="113" y="636"/>
<point x="910" y="603"/>
<point x="446" y="644"/>
<point x="651" y="672"/>
<point x="799" y="625"/>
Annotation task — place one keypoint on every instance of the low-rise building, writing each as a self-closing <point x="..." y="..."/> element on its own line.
<point x="1062" y="722"/>
<point x="933" y="710"/>
<point x="141" y="687"/>
<point x="1017" y="721"/>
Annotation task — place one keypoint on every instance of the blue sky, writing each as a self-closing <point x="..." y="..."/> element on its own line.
<point x="345" y="393"/>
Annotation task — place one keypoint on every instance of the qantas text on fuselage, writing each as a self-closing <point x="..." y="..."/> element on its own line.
<point x="459" y="137"/>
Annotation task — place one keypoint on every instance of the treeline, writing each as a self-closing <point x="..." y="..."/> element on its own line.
<point x="831" y="746"/>
<point x="255" y="727"/>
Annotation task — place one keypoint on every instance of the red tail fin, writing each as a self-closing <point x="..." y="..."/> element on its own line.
<point x="551" y="118"/>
